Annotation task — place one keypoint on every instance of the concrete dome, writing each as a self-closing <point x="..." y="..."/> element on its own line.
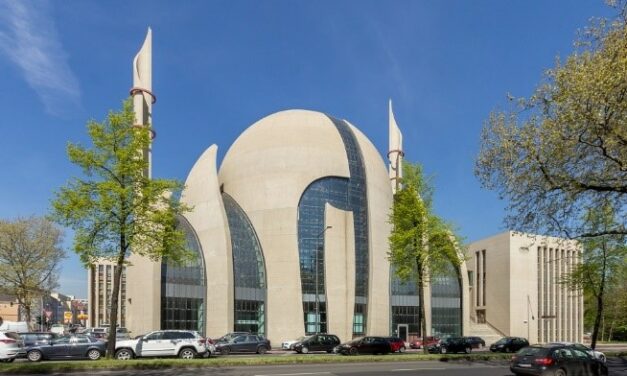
<point x="274" y="160"/>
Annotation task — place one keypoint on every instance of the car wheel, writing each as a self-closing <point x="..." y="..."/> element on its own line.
<point x="187" y="353"/>
<point x="353" y="351"/>
<point x="442" y="350"/>
<point x="93" y="354"/>
<point x="467" y="350"/>
<point x="402" y="349"/>
<point x="34" y="355"/>
<point x="124" y="354"/>
<point x="560" y="372"/>
<point x="602" y="358"/>
<point x="304" y="350"/>
<point x="262" y="350"/>
<point x="225" y="351"/>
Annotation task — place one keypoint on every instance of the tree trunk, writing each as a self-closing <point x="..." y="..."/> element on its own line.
<point x="600" y="297"/>
<point x="421" y="308"/>
<point x="28" y="314"/>
<point x="115" y="294"/>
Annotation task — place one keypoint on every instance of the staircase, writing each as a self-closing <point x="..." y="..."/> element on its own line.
<point x="484" y="331"/>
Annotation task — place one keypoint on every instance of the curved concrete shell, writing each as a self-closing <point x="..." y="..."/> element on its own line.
<point x="267" y="171"/>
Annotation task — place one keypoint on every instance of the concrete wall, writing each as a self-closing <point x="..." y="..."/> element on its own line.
<point x="266" y="171"/>
<point x="519" y="302"/>
<point x="380" y="201"/>
<point x="339" y="271"/>
<point x="208" y="218"/>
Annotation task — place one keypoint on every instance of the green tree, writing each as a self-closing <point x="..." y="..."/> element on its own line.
<point x="562" y="151"/>
<point x="421" y="244"/>
<point x="30" y="254"/>
<point x="600" y="270"/>
<point x="114" y="208"/>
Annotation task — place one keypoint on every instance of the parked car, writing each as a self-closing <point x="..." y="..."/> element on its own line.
<point x="249" y="343"/>
<point x="509" y="344"/>
<point x="450" y="345"/>
<point x="475" y="342"/>
<point x="10" y="346"/>
<point x="13" y="326"/>
<point x="364" y="345"/>
<point x="317" y="342"/>
<point x="185" y="344"/>
<point x="557" y="360"/>
<point x="35" y="338"/>
<point x="229" y="336"/>
<point x="417" y="344"/>
<point x="67" y="347"/>
<point x="594" y="353"/>
<point x="289" y="344"/>
<point x="396" y="344"/>
<point x="58" y="329"/>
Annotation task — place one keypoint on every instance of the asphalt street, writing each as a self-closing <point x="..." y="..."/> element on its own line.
<point x="618" y="367"/>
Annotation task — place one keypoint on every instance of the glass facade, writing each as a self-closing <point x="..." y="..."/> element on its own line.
<point x="405" y="305"/>
<point x="345" y="194"/>
<point x="249" y="270"/>
<point x="183" y="288"/>
<point x="446" y="303"/>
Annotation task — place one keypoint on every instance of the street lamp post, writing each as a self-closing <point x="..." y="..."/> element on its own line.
<point x="318" y="249"/>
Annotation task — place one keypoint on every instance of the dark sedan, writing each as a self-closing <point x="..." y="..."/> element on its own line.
<point x="365" y="345"/>
<point x="317" y="342"/>
<point x="556" y="360"/>
<point x="249" y="343"/>
<point x="68" y="347"/>
<point x="509" y="344"/>
<point x="451" y="345"/>
<point x="475" y="342"/>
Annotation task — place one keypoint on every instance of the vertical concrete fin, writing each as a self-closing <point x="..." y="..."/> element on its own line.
<point x="208" y="218"/>
<point x="395" y="155"/>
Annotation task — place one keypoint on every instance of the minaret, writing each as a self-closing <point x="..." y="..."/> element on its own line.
<point x="143" y="98"/>
<point x="395" y="155"/>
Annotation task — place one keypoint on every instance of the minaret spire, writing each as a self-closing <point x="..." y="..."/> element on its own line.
<point x="395" y="155"/>
<point x="143" y="98"/>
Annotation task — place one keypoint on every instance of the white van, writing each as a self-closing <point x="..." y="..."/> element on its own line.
<point x="14" y="326"/>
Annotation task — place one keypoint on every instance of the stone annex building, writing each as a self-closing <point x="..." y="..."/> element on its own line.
<point x="290" y="234"/>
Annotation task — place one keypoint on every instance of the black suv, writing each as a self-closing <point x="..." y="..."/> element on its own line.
<point x="451" y="345"/>
<point x="317" y="342"/>
<point x="509" y="344"/>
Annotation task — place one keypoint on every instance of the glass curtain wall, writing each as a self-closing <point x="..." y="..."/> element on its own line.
<point x="446" y="303"/>
<point x="249" y="270"/>
<point x="405" y="306"/>
<point x="345" y="194"/>
<point x="183" y="288"/>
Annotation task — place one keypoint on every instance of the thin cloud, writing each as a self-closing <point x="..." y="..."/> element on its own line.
<point x="28" y="37"/>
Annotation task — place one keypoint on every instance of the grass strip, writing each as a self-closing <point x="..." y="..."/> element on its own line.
<point x="225" y="361"/>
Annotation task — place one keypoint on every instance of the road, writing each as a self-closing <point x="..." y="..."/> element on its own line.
<point x="618" y="367"/>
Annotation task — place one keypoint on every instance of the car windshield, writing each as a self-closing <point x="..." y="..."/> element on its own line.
<point x="501" y="341"/>
<point x="533" y="351"/>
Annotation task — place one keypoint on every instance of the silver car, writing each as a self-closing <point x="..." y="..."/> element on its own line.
<point x="11" y="344"/>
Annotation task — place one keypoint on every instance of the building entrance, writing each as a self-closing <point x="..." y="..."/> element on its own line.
<point x="402" y="330"/>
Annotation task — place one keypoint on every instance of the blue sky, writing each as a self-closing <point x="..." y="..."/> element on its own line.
<point x="221" y="65"/>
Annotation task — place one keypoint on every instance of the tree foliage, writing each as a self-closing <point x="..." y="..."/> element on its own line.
<point x="30" y="256"/>
<point x="114" y="208"/>
<point x="421" y="244"/>
<point x="601" y="270"/>
<point x="562" y="151"/>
